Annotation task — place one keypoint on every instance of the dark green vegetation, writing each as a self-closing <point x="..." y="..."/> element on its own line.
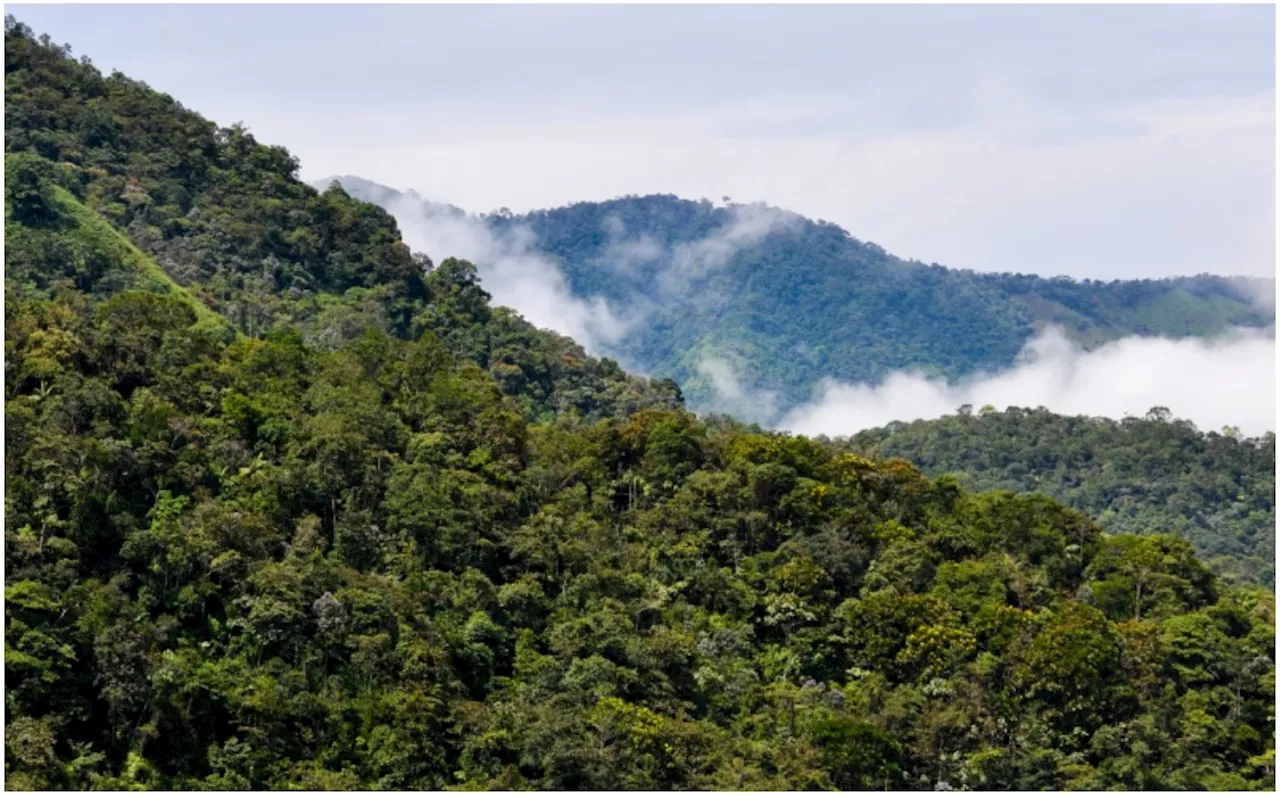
<point x="808" y="301"/>
<point x="1138" y="475"/>
<point x="366" y="533"/>
<point x="264" y="564"/>
<point x="103" y="170"/>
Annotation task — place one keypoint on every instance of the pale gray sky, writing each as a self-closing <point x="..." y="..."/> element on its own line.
<point x="1099" y="141"/>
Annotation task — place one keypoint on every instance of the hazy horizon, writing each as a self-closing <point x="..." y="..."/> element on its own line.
<point x="973" y="137"/>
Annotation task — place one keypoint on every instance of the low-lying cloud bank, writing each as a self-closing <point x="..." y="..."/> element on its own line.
<point x="510" y="269"/>
<point x="518" y="276"/>
<point x="1229" y="381"/>
<point x="734" y="399"/>
<point x="748" y="226"/>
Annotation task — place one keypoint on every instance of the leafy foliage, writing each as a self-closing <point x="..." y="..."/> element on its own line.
<point x="115" y="186"/>
<point x="1143" y="475"/>
<point x="267" y="564"/>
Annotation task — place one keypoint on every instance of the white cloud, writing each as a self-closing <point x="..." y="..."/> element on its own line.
<point x="1018" y="184"/>
<point x="625" y="255"/>
<point x="1154" y="155"/>
<point x="510" y="270"/>
<point x="1213" y="383"/>
<point x="520" y="277"/>
<point x="1261" y="293"/>
<point x="732" y="398"/>
<point x="748" y="226"/>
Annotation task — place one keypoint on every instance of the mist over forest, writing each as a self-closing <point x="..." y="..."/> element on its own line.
<point x="668" y="287"/>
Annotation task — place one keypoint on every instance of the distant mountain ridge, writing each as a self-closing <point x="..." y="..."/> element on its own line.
<point x="381" y="195"/>
<point x="780" y="301"/>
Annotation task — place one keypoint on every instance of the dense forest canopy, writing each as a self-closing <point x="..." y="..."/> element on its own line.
<point x="787" y="301"/>
<point x="1142" y="475"/>
<point x="289" y="506"/>
<point x="209" y="212"/>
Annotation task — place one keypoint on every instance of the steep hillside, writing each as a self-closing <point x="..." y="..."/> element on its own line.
<point x="1139" y="475"/>
<point x="50" y="236"/>
<point x="225" y="218"/>
<point x="785" y="301"/>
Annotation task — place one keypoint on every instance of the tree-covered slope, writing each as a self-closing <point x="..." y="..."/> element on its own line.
<point x="268" y="564"/>
<point x="225" y="219"/>
<point x="1139" y="475"/>
<point x="50" y="236"/>
<point x="805" y="301"/>
<point x="787" y="301"/>
<point x="371" y="535"/>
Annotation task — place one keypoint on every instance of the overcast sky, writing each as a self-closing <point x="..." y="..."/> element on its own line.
<point x="1098" y="141"/>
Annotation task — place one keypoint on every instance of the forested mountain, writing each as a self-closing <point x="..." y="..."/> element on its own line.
<point x="1143" y="475"/>
<point x="288" y="506"/>
<point x="105" y="164"/>
<point x="787" y="301"/>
